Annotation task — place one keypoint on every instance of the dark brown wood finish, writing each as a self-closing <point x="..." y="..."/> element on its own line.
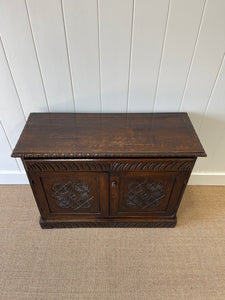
<point x="66" y="135"/>
<point x="111" y="170"/>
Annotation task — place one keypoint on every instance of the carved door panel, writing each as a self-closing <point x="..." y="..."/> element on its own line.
<point x="72" y="194"/>
<point x="145" y="193"/>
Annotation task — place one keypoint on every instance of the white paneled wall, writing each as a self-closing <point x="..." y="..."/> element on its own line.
<point x="81" y="27"/>
<point x="147" y="44"/>
<point x="115" y="30"/>
<point x="114" y="56"/>
<point x="182" y="28"/>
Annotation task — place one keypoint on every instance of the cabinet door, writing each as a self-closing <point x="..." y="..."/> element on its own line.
<point x="145" y="193"/>
<point x="71" y="194"/>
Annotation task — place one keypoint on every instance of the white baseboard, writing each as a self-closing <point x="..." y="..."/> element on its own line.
<point x="7" y="177"/>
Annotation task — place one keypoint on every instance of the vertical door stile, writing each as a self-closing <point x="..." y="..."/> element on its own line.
<point x="114" y="193"/>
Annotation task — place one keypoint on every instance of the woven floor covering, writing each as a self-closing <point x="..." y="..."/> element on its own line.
<point x="186" y="262"/>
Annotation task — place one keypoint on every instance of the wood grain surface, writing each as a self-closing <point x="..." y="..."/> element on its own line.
<point x="106" y="135"/>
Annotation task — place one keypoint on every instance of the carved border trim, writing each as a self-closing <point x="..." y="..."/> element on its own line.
<point x="154" y="166"/>
<point x="55" y="166"/>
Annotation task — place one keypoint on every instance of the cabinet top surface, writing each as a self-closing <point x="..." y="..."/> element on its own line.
<point x="68" y="135"/>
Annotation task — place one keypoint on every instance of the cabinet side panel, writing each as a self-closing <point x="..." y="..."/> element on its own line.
<point x="37" y="192"/>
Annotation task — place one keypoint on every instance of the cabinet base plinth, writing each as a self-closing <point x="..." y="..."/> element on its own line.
<point x="108" y="224"/>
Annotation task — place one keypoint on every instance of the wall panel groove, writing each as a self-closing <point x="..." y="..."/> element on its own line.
<point x="150" y="17"/>
<point x="213" y="126"/>
<point x="68" y="55"/>
<point x="13" y="81"/>
<point x="47" y="27"/>
<point x="213" y="90"/>
<point x="11" y="114"/>
<point x="182" y="29"/>
<point x="206" y="62"/>
<point x="35" y="49"/>
<point x="161" y="57"/>
<point x="17" y="39"/>
<point x="130" y="56"/>
<point x="193" y="54"/>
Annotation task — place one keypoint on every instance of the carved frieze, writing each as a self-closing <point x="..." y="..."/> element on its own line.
<point x="58" y="166"/>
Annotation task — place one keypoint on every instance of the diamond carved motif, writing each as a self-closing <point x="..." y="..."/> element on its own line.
<point x="145" y="194"/>
<point x="72" y="195"/>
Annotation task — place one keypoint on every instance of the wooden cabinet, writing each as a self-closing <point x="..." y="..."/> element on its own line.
<point x="121" y="185"/>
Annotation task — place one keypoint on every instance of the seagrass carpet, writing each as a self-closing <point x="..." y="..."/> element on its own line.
<point x="186" y="262"/>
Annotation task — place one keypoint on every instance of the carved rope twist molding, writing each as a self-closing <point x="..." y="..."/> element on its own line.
<point x="114" y="166"/>
<point x="105" y="155"/>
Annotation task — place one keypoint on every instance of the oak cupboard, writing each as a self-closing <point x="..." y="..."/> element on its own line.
<point x="108" y="170"/>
